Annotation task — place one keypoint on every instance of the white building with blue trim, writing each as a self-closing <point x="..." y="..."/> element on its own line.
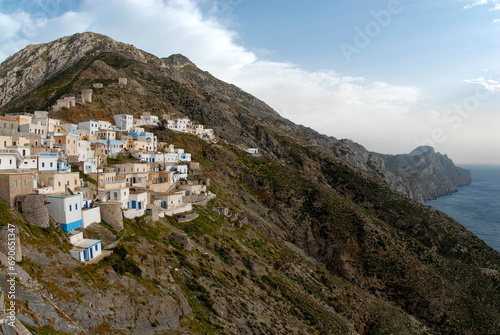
<point x="124" y="121"/>
<point x="84" y="249"/>
<point x="66" y="209"/>
<point x="52" y="162"/>
<point x="92" y="126"/>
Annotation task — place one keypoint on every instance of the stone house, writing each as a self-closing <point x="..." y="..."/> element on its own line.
<point x="8" y="126"/>
<point x="160" y="181"/>
<point x="34" y="128"/>
<point x="60" y="181"/>
<point x="5" y="141"/>
<point x="13" y="183"/>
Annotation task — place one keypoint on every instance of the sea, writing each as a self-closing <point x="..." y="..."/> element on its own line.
<point x="476" y="206"/>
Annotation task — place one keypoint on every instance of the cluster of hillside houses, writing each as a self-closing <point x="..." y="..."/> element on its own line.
<point x="37" y="154"/>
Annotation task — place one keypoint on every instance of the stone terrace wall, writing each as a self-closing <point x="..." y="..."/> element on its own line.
<point x="35" y="210"/>
<point x="111" y="213"/>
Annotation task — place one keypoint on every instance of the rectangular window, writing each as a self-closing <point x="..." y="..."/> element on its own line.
<point x="50" y="164"/>
<point x="24" y="182"/>
<point x="15" y="183"/>
<point x="43" y="164"/>
<point x="70" y="208"/>
<point x="76" y="207"/>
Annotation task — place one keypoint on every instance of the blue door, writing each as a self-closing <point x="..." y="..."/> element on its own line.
<point x="133" y="204"/>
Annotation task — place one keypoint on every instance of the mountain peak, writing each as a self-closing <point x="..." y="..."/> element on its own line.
<point x="422" y="150"/>
<point x="177" y="60"/>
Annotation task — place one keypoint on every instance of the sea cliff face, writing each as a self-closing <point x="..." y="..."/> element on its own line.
<point x="428" y="173"/>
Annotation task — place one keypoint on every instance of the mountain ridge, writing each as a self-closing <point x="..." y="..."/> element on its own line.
<point x="88" y="45"/>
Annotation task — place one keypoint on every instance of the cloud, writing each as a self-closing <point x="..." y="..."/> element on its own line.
<point x="480" y="3"/>
<point x="489" y="84"/>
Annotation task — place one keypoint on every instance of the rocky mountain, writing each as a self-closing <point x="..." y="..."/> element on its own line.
<point x="23" y="72"/>
<point x="331" y="244"/>
<point x="429" y="173"/>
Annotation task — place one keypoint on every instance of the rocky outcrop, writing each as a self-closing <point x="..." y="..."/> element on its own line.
<point x="428" y="173"/>
<point x="33" y="65"/>
<point x="178" y="61"/>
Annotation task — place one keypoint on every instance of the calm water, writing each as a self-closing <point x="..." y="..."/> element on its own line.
<point x="477" y="206"/>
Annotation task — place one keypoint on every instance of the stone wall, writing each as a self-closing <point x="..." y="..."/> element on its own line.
<point x="34" y="208"/>
<point x="111" y="213"/>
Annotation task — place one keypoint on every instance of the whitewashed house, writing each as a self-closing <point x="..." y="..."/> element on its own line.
<point x="52" y="162"/>
<point x="104" y="125"/>
<point x="137" y="204"/>
<point x="124" y="121"/>
<point x="83" y="151"/>
<point x="9" y="159"/>
<point x="179" y="171"/>
<point x="253" y="151"/>
<point x="84" y="249"/>
<point x="171" y="203"/>
<point x="92" y="126"/>
<point x="89" y="167"/>
<point x="180" y="125"/>
<point x="193" y="189"/>
<point x="121" y="195"/>
<point x="149" y="140"/>
<point x="150" y="120"/>
<point x="170" y="200"/>
<point x="66" y="209"/>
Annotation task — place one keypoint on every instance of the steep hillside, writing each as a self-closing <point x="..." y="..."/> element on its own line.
<point x="328" y="247"/>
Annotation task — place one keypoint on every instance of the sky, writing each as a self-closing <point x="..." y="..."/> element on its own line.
<point x="390" y="75"/>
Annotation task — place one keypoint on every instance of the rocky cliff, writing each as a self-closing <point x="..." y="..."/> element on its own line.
<point x="428" y="173"/>
<point x="328" y="246"/>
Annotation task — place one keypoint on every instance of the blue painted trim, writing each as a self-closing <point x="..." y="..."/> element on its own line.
<point x="68" y="227"/>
